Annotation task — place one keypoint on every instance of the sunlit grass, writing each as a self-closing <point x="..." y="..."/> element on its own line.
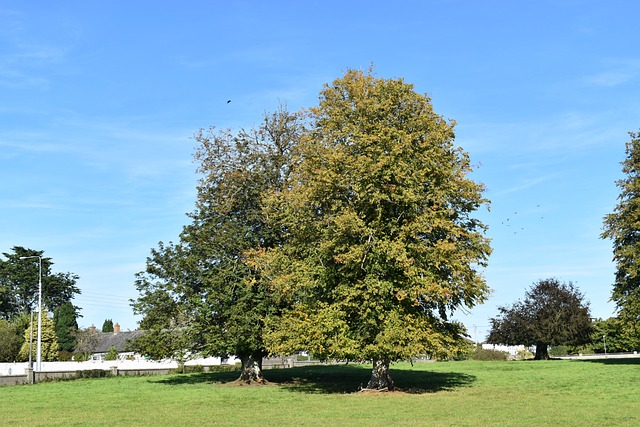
<point x="452" y="393"/>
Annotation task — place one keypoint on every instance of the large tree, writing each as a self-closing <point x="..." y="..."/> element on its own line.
<point x="200" y="293"/>
<point x="623" y="228"/>
<point x="380" y="244"/>
<point x="19" y="283"/>
<point x="552" y="313"/>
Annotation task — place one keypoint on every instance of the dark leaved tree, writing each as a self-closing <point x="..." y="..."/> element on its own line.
<point x="552" y="313"/>
<point x="66" y="324"/>
<point x="19" y="276"/>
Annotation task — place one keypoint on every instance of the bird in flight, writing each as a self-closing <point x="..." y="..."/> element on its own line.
<point x="229" y="101"/>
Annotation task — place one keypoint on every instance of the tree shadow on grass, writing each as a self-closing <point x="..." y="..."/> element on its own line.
<point x="614" y="361"/>
<point x="336" y="379"/>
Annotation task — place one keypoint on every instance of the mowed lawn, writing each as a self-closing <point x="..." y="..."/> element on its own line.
<point x="528" y="393"/>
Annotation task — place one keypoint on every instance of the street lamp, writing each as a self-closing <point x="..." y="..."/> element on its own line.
<point x="39" y="344"/>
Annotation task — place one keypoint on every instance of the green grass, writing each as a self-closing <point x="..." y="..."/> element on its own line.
<point x="584" y="393"/>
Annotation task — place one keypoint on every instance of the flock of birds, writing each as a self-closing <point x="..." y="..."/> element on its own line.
<point x="508" y="223"/>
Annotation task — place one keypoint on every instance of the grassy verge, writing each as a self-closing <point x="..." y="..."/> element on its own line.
<point x="585" y="393"/>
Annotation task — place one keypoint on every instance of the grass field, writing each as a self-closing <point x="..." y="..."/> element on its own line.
<point x="551" y="393"/>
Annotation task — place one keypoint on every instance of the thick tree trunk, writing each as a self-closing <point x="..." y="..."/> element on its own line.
<point x="542" y="351"/>
<point x="380" y="377"/>
<point x="251" y="369"/>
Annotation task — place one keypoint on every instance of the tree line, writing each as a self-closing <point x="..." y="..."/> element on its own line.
<point x="19" y="289"/>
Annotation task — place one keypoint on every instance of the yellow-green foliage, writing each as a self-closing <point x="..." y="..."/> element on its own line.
<point x="381" y="244"/>
<point x="49" y="340"/>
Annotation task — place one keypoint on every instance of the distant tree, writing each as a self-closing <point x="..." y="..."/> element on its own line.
<point x="200" y="296"/>
<point x="623" y="228"/>
<point x="552" y="313"/>
<point x="614" y="333"/>
<point x="19" y="283"/>
<point x="66" y="325"/>
<point x="10" y="341"/>
<point x="86" y="342"/>
<point x="381" y="241"/>
<point x="49" y="340"/>
<point x="107" y="326"/>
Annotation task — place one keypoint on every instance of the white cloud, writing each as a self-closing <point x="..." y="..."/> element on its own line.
<point x="617" y="72"/>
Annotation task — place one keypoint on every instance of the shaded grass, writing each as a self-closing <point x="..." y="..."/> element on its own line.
<point x="327" y="379"/>
<point x="585" y="393"/>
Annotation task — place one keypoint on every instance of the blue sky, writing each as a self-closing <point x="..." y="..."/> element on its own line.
<point x="99" y="100"/>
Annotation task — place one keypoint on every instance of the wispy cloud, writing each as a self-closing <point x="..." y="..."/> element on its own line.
<point x="617" y="72"/>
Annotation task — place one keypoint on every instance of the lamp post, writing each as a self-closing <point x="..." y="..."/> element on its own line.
<point x="39" y="343"/>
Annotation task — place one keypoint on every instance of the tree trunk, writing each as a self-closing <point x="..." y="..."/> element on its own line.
<point x="542" y="352"/>
<point x="380" y="378"/>
<point x="251" y="369"/>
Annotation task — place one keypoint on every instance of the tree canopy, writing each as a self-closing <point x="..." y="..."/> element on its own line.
<point x="380" y="243"/>
<point x="623" y="228"/>
<point x="19" y="283"/>
<point x="552" y="313"/>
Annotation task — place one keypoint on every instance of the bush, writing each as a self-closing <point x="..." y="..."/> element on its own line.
<point x="64" y="356"/>
<point x="112" y="354"/>
<point x="489" y="355"/>
<point x="558" y="350"/>
<point x="93" y="373"/>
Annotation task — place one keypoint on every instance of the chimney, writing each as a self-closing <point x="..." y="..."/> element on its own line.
<point x="116" y="328"/>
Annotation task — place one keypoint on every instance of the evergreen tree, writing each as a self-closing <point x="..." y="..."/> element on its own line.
<point x="107" y="326"/>
<point x="66" y="325"/>
<point x="49" y="340"/>
<point x="623" y="228"/>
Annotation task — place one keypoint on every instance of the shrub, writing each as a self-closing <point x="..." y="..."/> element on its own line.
<point x="558" y="350"/>
<point x="93" y="373"/>
<point x="112" y="354"/>
<point x="64" y="356"/>
<point x="492" y="355"/>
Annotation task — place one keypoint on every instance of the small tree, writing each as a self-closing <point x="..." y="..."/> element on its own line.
<point x="552" y="313"/>
<point x="107" y="326"/>
<point x="10" y="341"/>
<point x="86" y="341"/>
<point x="112" y="354"/>
<point x="49" y="340"/>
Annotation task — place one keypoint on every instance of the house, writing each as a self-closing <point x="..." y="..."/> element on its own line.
<point x="104" y="341"/>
